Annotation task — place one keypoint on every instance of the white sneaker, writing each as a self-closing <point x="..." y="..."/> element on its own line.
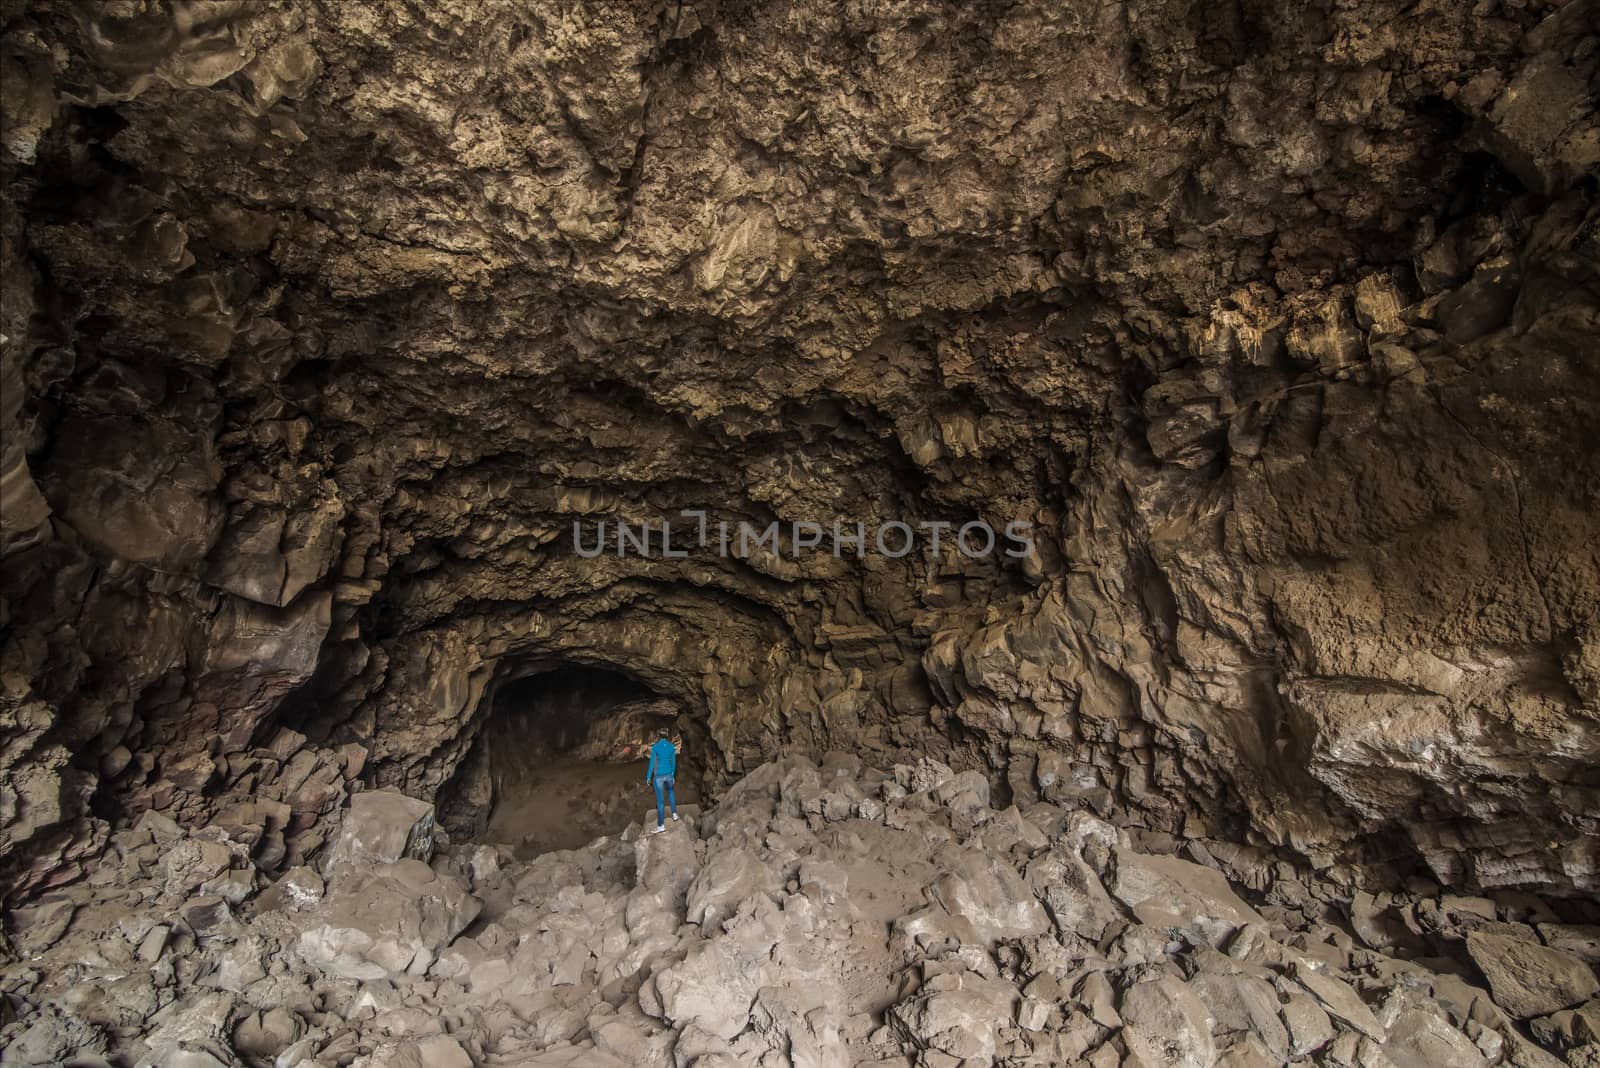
<point x="659" y="828"/>
<point x="674" y="817"/>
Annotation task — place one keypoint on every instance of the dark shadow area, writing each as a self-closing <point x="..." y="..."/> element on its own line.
<point x="560" y="760"/>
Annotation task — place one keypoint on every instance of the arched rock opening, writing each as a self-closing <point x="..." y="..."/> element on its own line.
<point x="559" y="753"/>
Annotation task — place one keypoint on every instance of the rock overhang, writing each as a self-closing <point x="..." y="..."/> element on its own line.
<point x="1278" y="398"/>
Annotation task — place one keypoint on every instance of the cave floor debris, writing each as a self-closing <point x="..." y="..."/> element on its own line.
<point x="565" y="804"/>
<point x="815" y="916"/>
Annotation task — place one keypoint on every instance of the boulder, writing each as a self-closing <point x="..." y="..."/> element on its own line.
<point x="667" y="860"/>
<point x="1245" y="1004"/>
<point x="1527" y="979"/>
<point x="1173" y="893"/>
<point x="191" y="862"/>
<point x="1247" y="1051"/>
<point x="1581" y="940"/>
<point x="266" y="1034"/>
<point x="728" y="877"/>
<point x="715" y="985"/>
<point x="1072" y="893"/>
<point x="986" y="892"/>
<point x="1341" y="1001"/>
<point x="1166" y="1025"/>
<point x="381" y="827"/>
<point x="1308" y="1025"/>
<point x="957" y="1014"/>
<point x="190" y="1033"/>
<point x="387" y="922"/>
<point x="1422" y="1039"/>
<point x="52" y="1037"/>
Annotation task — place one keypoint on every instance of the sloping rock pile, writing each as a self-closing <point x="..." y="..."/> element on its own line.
<point x="819" y="915"/>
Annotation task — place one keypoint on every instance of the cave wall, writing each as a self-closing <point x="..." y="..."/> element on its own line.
<point x="323" y="322"/>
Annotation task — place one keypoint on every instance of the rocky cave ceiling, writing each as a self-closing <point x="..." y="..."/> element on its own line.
<point x="324" y="320"/>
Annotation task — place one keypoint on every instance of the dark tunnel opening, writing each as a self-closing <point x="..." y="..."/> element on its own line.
<point x="560" y="759"/>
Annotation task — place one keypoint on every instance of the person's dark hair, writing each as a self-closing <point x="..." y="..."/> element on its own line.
<point x="664" y="732"/>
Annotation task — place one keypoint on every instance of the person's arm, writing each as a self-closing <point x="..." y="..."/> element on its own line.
<point x="651" y="764"/>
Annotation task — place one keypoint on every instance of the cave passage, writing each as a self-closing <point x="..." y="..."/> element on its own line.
<point x="561" y="759"/>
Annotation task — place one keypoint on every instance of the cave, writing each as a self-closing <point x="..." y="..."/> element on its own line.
<point x="1105" y="496"/>
<point x="559" y="757"/>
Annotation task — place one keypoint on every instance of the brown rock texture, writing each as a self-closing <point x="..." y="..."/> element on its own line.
<point x="323" y="321"/>
<point x="774" y="929"/>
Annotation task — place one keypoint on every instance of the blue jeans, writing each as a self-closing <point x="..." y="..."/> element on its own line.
<point x="664" y="782"/>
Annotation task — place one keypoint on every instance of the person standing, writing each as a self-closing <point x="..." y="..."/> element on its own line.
<point x="661" y="773"/>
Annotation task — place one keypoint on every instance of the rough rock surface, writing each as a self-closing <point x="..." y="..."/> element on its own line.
<point x="323" y="322"/>
<point x="331" y="333"/>
<point x="1530" y="979"/>
<point x="747" y="935"/>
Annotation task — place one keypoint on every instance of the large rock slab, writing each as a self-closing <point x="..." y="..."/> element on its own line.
<point x="1528" y="979"/>
<point x="729" y="877"/>
<point x="1172" y="893"/>
<point x="391" y="921"/>
<point x="986" y="892"/>
<point x="957" y="1014"/>
<point x="1245" y="1004"/>
<point x="1420" y="1039"/>
<point x="1341" y="1001"/>
<point x="1166" y="1025"/>
<point x="382" y="827"/>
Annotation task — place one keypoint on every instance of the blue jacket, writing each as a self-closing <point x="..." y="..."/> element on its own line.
<point x="663" y="760"/>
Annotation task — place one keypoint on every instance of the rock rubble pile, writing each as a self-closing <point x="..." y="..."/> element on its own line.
<point x="819" y="915"/>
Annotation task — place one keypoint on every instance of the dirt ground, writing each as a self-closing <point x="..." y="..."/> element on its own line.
<point x="564" y="804"/>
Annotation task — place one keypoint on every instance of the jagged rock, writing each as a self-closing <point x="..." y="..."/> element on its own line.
<point x="436" y="1051"/>
<point x="1095" y="993"/>
<point x="584" y="957"/>
<point x="52" y="1038"/>
<point x="577" y="1056"/>
<point x="1072" y="893"/>
<point x="1308" y="1025"/>
<point x="957" y="1014"/>
<point x="1420" y="1039"/>
<point x="714" y="987"/>
<point x="1244" y="1004"/>
<point x="1168" y="892"/>
<point x="1032" y="1014"/>
<point x="207" y="914"/>
<point x="1528" y="979"/>
<point x="189" y="864"/>
<point x="382" y="827"/>
<point x="1341" y="1001"/>
<point x="190" y="1033"/>
<point x="389" y="920"/>
<point x="1247" y="1051"/>
<point x="308" y="371"/>
<point x="988" y="894"/>
<point x="1165" y="1023"/>
<point x="1571" y="1028"/>
<point x="297" y="889"/>
<point x="40" y="924"/>
<point x="266" y="1034"/>
<point x="1580" y="940"/>
<point x="727" y="879"/>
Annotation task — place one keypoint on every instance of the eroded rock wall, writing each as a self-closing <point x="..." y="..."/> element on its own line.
<point x="324" y="321"/>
